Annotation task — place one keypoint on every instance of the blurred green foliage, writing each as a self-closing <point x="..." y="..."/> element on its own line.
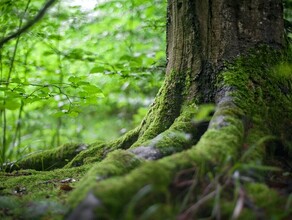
<point x="84" y="72"/>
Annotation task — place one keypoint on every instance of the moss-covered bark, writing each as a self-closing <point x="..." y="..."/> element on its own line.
<point x="48" y="159"/>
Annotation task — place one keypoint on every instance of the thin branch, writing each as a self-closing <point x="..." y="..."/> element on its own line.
<point x="29" y="24"/>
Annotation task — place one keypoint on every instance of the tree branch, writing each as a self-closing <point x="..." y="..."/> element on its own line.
<point x="29" y="24"/>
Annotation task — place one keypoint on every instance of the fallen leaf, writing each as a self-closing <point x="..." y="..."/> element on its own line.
<point x="66" y="187"/>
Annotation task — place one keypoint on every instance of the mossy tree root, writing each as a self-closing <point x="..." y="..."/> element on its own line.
<point x="181" y="135"/>
<point x="48" y="159"/>
<point x="238" y="132"/>
<point x="150" y="186"/>
<point x="220" y="141"/>
<point x="72" y="154"/>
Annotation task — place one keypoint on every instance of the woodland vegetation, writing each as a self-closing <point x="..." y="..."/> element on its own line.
<point x="74" y="65"/>
<point x="101" y="118"/>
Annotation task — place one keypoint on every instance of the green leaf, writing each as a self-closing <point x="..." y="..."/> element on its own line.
<point x="126" y="58"/>
<point x="48" y="53"/>
<point x="83" y="94"/>
<point x="97" y="69"/>
<point x="12" y="104"/>
<point x="74" y="79"/>
<point x="99" y="95"/>
<point x="136" y="61"/>
<point x="58" y="114"/>
<point x="73" y="114"/>
<point x="10" y="94"/>
<point x="91" y="89"/>
<point x="3" y="88"/>
<point x="55" y="37"/>
<point x="82" y="83"/>
<point x="19" y="90"/>
<point x="16" y="80"/>
<point x="76" y="53"/>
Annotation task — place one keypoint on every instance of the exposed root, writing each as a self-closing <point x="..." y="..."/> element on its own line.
<point x="235" y="133"/>
<point x="72" y="155"/>
<point x="115" y="164"/>
<point x="215" y="147"/>
<point x="181" y="135"/>
<point x="48" y="159"/>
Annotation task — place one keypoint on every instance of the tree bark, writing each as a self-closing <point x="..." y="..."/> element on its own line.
<point x="201" y="35"/>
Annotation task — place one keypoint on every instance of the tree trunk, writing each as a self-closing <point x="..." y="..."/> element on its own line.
<point x="218" y="51"/>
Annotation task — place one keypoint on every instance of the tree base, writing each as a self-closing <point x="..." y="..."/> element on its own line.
<point x="217" y="173"/>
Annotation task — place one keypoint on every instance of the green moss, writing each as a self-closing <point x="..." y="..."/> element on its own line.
<point x="247" y="78"/>
<point x="31" y="194"/>
<point x="216" y="145"/>
<point x="125" y="141"/>
<point x="96" y="152"/>
<point x="166" y="107"/>
<point x="132" y="194"/>
<point x="154" y="175"/>
<point x="32" y="178"/>
<point x="271" y="204"/>
<point x="49" y="159"/>
<point x="182" y="134"/>
<point x="220" y="144"/>
<point x="262" y="195"/>
<point x="255" y="144"/>
<point x="115" y="164"/>
<point x="258" y="87"/>
<point x="158" y="175"/>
